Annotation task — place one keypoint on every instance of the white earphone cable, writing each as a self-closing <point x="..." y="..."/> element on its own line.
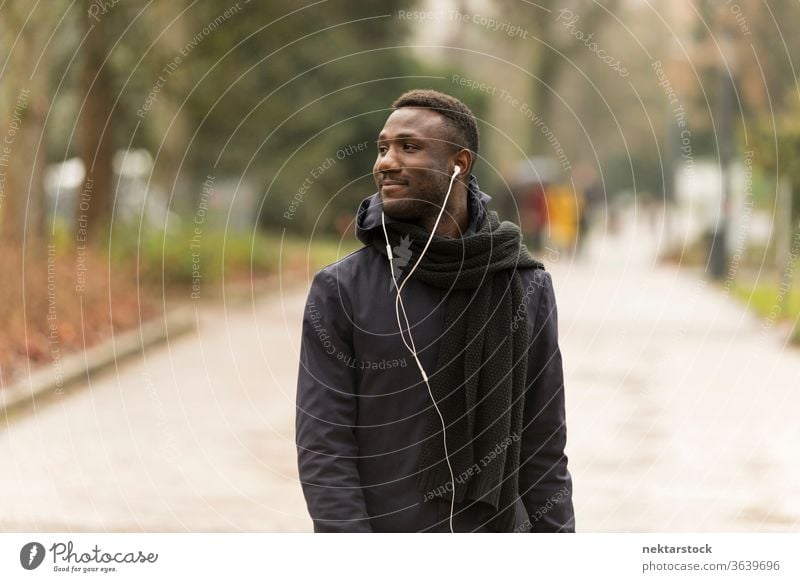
<point x="399" y="305"/>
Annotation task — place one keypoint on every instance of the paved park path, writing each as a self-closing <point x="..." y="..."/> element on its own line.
<point x="682" y="410"/>
<point x="196" y="436"/>
<point x="682" y="406"/>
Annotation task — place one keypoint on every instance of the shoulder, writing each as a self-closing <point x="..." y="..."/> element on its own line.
<point x="348" y="267"/>
<point x="538" y="296"/>
<point x="536" y="278"/>
<point x="344" y="277"/>
<point x="331" y="290"/>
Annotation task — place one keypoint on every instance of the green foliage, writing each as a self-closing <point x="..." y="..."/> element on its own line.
<point x="776" y="141"/>
<point x="281" y="88"/>
<point x="175" y="258"/>
<point x="172" y="257"/>
<point x="267" y="91"/>
<point x="769" y="301"/>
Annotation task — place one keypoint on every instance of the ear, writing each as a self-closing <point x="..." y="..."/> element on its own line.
<point x="465" y="159"/>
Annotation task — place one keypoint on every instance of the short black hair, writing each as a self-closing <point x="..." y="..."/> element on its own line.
<point x="463" y="128"/>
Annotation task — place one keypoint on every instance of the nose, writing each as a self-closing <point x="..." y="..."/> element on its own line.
<point x="387" y="162"/>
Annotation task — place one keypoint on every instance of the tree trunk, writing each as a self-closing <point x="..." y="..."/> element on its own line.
<point x="22" y="147"/>
<point x="93" y="211"/>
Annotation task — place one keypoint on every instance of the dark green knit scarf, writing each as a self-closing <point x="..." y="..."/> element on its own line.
<point x="480" y="376"/>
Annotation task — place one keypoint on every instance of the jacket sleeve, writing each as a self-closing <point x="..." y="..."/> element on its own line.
<point x="327" y="450"/>
<point x="545" y="483"/>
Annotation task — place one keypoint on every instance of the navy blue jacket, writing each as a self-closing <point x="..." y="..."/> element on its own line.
<point x="361" y="399"/>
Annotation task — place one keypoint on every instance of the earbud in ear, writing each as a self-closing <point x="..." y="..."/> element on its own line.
<point x="457" y="170"/>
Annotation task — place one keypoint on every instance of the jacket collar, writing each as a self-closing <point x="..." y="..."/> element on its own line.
<point x="369" y="212"/>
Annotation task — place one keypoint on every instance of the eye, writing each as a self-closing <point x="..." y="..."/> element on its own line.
<point x="409" y="146"/>
<point x="382" y="149"/>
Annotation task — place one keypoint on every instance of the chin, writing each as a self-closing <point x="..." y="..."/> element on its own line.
<point x="401" y="208"/>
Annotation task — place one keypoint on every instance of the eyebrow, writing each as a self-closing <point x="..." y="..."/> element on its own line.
<point x="401" y="135"/>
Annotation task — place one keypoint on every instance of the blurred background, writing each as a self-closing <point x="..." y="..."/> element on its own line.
<point x="173" y="173"/>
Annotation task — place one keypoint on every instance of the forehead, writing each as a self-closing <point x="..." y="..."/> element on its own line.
<point x="414" y="121"/>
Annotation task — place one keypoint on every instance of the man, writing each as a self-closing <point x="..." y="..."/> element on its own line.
<point x="476" y="441"/>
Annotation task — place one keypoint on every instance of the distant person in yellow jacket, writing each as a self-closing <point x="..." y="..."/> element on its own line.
<point x="564" y="207"/>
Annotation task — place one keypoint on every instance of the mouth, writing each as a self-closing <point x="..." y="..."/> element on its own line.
<point x="390" y="186"/>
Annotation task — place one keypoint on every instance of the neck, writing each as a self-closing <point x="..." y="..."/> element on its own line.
<point x="455" y="219"/>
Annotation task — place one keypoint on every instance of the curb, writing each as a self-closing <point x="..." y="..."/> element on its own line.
<point x="54" y="378"/>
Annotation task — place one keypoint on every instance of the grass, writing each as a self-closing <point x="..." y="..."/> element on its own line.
<point x="233" y="256"/>
<point x="768" y="299"/>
